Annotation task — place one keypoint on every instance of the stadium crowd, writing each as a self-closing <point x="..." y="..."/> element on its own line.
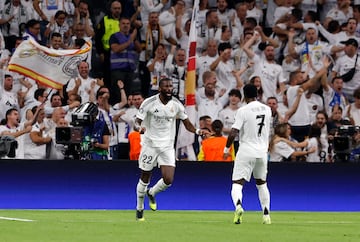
<point x="301" y="54"/>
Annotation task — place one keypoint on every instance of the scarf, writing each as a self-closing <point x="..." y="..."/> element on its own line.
<point x="149" y="42"/>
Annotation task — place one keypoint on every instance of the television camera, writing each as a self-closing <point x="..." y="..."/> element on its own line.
<point x="346" y="144"/>
<point x="77" y="146"/>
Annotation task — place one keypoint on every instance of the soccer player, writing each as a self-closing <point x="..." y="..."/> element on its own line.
<point x="156" y="120"/>
<point x="252" y="124"/>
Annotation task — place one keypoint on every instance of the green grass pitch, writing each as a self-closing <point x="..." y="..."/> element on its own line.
<point x="175" y="226"/>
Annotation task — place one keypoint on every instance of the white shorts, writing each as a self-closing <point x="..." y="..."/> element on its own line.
<point x="151" y="157"/>
<point x="245" y="166"/>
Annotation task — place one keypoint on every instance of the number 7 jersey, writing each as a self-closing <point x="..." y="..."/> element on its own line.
<point x="253" y="123"/>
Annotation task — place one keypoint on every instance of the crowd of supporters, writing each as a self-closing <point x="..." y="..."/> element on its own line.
<point x="301" y="54"/>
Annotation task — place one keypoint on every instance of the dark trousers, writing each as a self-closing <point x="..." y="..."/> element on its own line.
<point x="300" y="132"/>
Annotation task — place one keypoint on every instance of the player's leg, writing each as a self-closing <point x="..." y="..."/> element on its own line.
<point x="166" y="160"/>
<point x="147" y="160"/>
<point x="260" y="172"/>
<point x="241" y="173"/>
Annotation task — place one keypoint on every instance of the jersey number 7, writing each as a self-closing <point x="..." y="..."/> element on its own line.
<point x="261" y="123"/>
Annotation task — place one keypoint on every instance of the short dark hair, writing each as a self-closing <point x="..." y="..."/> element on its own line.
<point x="39" y="93"/>
<point x="162" y="80"/>
<point x="31" y="23"/>
<point x="56" y="34"/>
<point x="223" y="46"/>
<point x="357" y="93"/>
<point x="8" y="112"/>
<point x="235" y="92"/>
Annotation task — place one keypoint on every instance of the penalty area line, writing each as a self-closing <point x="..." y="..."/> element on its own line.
<point x="16" y="219"/>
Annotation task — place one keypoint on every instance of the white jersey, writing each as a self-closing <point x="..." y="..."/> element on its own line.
<point x="84" y="88"/>
<point x="298" y="118"/>
<point x="226" y="80"/>
<point x="313" y="157"/>
<point x="271" y="74"/>
<point x="315" y="52"/>
<point x="203" y="64"/>
<point x="280" y="152"/>
<point x="19" y="153"/>
<point x="342" y="66"/>
<point x="253" y="122"/>
<point x="315" y="104"/>
<point x="160" y="120"/>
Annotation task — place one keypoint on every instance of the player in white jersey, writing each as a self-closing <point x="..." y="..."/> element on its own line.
<point x="252" y="124"/>
<point x="156" y="120"/>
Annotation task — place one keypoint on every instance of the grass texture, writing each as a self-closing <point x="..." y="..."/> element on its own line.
<point x="175" y="226"/>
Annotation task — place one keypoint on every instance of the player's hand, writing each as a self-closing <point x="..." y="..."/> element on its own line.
<point x="226" y="153"/>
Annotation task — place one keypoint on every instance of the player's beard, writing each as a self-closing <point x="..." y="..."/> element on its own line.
<point x="166" y="95"/>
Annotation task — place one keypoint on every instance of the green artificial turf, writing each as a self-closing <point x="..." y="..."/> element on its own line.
<point x="175" y="226"/>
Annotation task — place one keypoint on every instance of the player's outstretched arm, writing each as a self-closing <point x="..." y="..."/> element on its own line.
<point x="233" y="133"/>
<point x="190" y="127"/>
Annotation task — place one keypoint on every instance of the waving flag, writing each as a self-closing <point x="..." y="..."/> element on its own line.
<point x="52" y="68"/>
<point x="185" y="138"/>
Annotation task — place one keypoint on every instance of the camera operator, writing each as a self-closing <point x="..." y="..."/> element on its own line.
<point x="347" y="144"/>
<point x="96" y="137"/>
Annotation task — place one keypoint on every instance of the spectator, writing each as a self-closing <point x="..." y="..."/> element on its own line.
<point x="211" y="149"/>
<point x="314" y="142"/>
<point x="272" y="78"/>
<point x="156" y="67"/>
<point x="175" y="66"/>
<point x="82" y="16"/>
<point x="109" y="24"/>
<point x="281" y="150"/>
<point x="149" y="8"/>
<point x="56" y="42"/>
<point x="47" y="10"/>
<point x="254" y="11"/>
<point x="300" y="123"/>
<point x="203" y="62"/>
<point x="353" y="109"/>
<point x="123" y="59"/>
<point x="153" y="36"/>
<point x="212" y="23"/>
<point x="125" y="120"/>
<point x="225" y="14"/>
<point x="345" y="64"/>
<point x="171" y="21"/>
<point x="208" y="100"/>
<point x="333" y="94"/>
<point x="341" y="12"/>
<point x="57" y="24"/>
<point x="14" y="15"/>
<point x="83" y="84"/>
<point x="224" y="67"/>
<point x="227" y="114"/>
<point x="13" y="128"/>
<point x="37" y="142"/>
<point x="32" y="29"/>
<point x="311" y="52"/>
<point x="8" y="98"/>
<point x="328" y="129"/>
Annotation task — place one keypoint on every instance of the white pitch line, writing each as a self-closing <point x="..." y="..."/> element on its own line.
<point x="17" y="219"/>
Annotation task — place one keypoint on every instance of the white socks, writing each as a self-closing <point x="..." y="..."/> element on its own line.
<point x="236" y="193"/>
<point x="264" y="197"/>
<point x="159" y="187"/>
<point x="140" y="194"/>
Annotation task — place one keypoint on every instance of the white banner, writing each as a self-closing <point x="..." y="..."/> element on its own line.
<point x="52" y="68"/>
